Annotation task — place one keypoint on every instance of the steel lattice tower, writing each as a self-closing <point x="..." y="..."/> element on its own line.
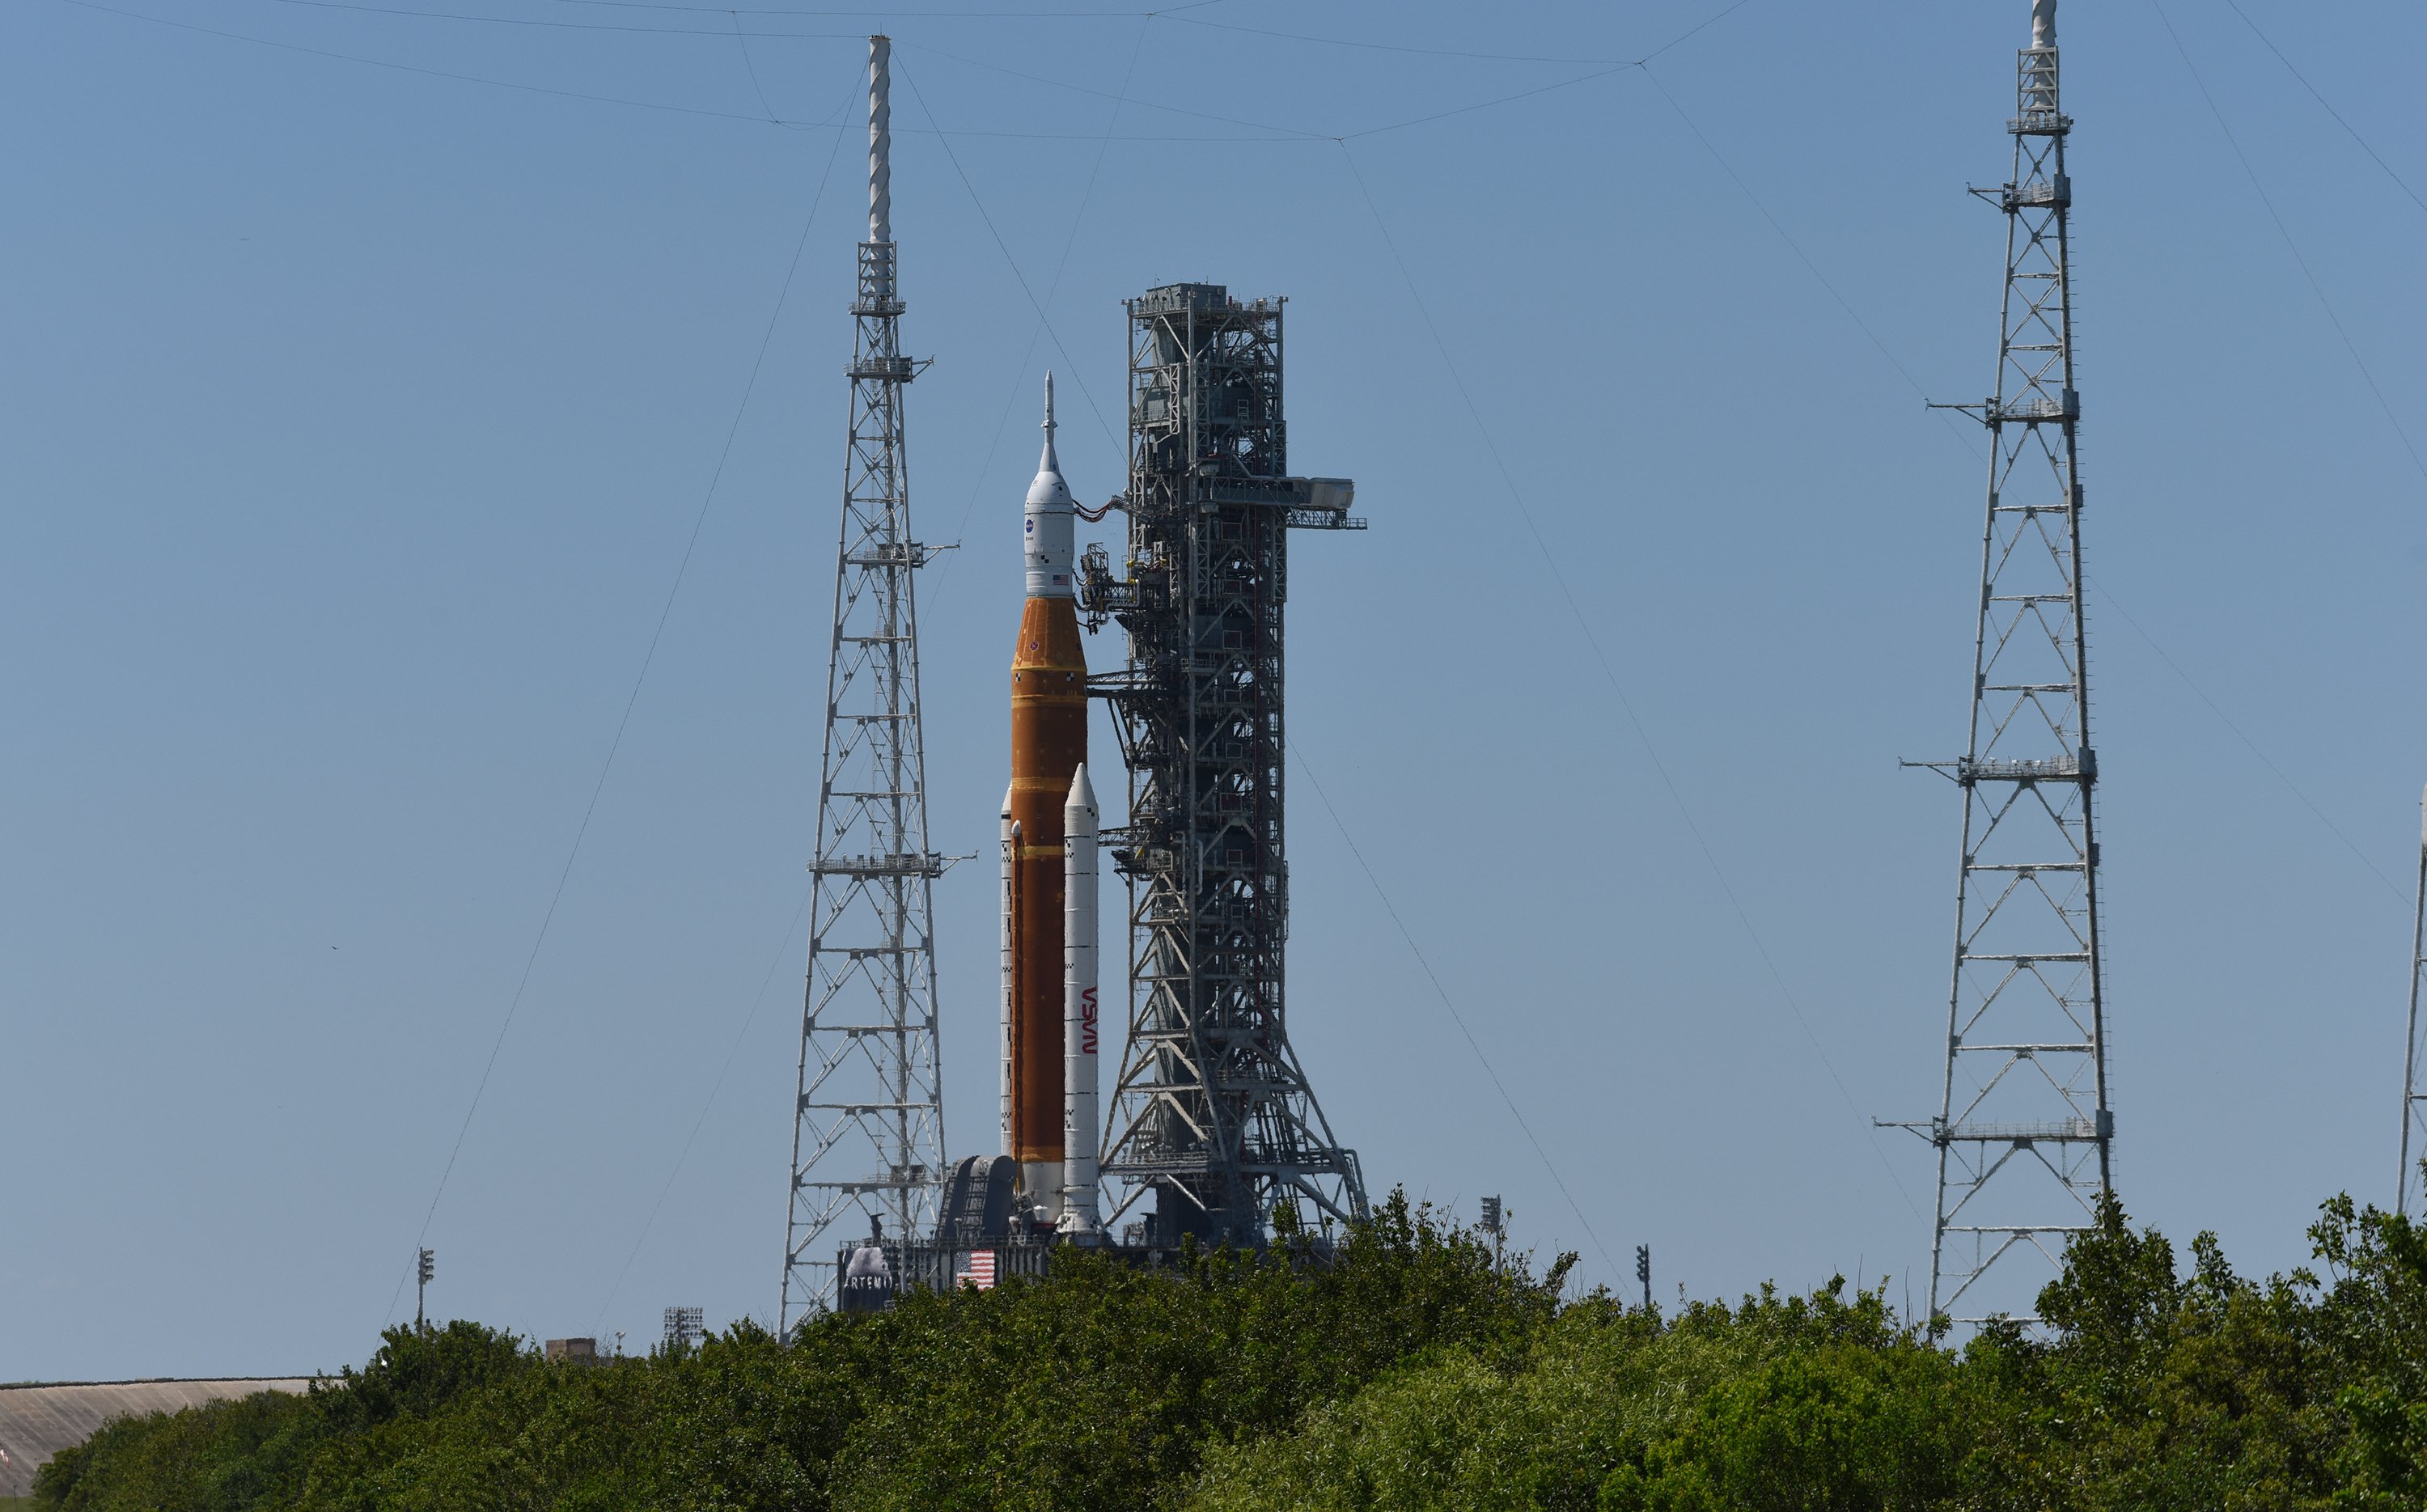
<point x="2023" y="1133"/>
<point x="868" y="1137"/>
<point x="2414" y="1058"/>
<point x="1211" y="1112"/>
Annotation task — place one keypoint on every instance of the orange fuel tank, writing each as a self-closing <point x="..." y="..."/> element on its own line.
<point x="1049" y="740"/>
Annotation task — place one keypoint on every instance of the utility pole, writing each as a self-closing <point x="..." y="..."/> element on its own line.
<point x="2024" y="1133"/>
<point x="1643" y="1273"/>
<point x="2414" y="1102"/>
<point x="425" y="1267"/>
<point x="867" y="1133"/>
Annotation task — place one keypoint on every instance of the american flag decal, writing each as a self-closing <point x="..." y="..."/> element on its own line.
<point x="981" y="1272"/>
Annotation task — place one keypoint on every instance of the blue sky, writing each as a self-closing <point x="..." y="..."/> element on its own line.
<point x="357" y="413"/>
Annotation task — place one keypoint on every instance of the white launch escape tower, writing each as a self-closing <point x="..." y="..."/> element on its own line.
<point x="868" y="1140"/>
<point x="2024" y="1135"/>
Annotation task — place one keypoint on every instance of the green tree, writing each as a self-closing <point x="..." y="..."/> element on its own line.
<point x="1409" y="1370"/>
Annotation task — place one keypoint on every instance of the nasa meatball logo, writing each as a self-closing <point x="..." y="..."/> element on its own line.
<point x="1028" y="527"/>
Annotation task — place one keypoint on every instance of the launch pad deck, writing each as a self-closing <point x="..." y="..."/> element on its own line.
<point x="981" y="1266"/>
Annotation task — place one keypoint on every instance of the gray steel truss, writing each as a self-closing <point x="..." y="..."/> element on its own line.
<point x="1210" y="1114"/>
<point x="867" y="1138"/>
<point x="2023" y="1134"/>
<point x="2414" y="1057"/>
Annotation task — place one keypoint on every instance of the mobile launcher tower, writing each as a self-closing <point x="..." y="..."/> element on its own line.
<point x="1213" y="1130"/>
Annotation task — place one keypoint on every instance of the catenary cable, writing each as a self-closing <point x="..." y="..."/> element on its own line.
<point x="1013" y="263"/>
<point x="1809" y="265"/>
<point x="1455" y="1017"/>
<point x="2264" y="759"/>
<point x="1020" y="377"/>
<point x="2113" y="602"/>
<point x="1395" y="47"/>
<point x="734" y="15"/>
<point x="591" y="98"/>
<point x="1485" y="104"/>
<point x="791" y="929"/>
<point x="1309" y="135"/>
<point x="2291" y="246"/>
<point x="1852" y="314"/>
<point x="1642" y="63"/>
<point x="1570" y="59"/>
<point x="1609" y="672"/>
<point x="1120" y="97"/>
<point x="708" y="1105"/>
<point x="948" y="15"/>
<point x="741" y="41"/>
<point x="1284" y="133"/>
<point x="443" y="74"/>
<point x="2349" y="129"/>
<point x="1281" y="135"/>
<point x="356" y="5"/>
<point x="656" y="635"/>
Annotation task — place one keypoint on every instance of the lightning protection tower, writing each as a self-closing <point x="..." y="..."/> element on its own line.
<point x="2413" y="1059"/>
<point x="1212" y="1114"/>
<point x="868" y="1137"/>
<point x="2023" y="1133"/>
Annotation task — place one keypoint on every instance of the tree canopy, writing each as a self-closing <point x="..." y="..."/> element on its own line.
<point x="1415" y="1369"/>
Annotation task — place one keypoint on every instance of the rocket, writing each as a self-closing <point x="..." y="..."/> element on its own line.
<point x="1049" y="745"/>
<point x="1080" y="1030"/>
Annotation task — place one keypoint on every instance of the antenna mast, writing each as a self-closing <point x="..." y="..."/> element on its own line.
<point x="2024" y="1135"/>
<point x="868" y="1136"/>
<point x="2414" y="1102"/>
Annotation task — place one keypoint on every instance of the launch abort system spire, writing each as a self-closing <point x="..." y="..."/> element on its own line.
<point x="2023" y="1132"/>
<point x="1211" y="1115"/>
<point x="868" y="1137"/>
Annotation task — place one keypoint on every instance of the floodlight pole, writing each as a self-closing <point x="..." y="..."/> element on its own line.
<point x="2411" y="1101"/>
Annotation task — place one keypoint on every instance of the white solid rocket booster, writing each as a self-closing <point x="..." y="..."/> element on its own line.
<point x="1078" y="1009"/>
<point x="1010" y="961"/>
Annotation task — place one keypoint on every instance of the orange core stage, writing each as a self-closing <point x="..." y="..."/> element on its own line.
<point x="1049" y="740"/>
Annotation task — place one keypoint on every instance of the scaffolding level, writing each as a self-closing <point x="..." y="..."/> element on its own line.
<point x="2023" y="1135"/>
<point x="867" y="1138"/>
